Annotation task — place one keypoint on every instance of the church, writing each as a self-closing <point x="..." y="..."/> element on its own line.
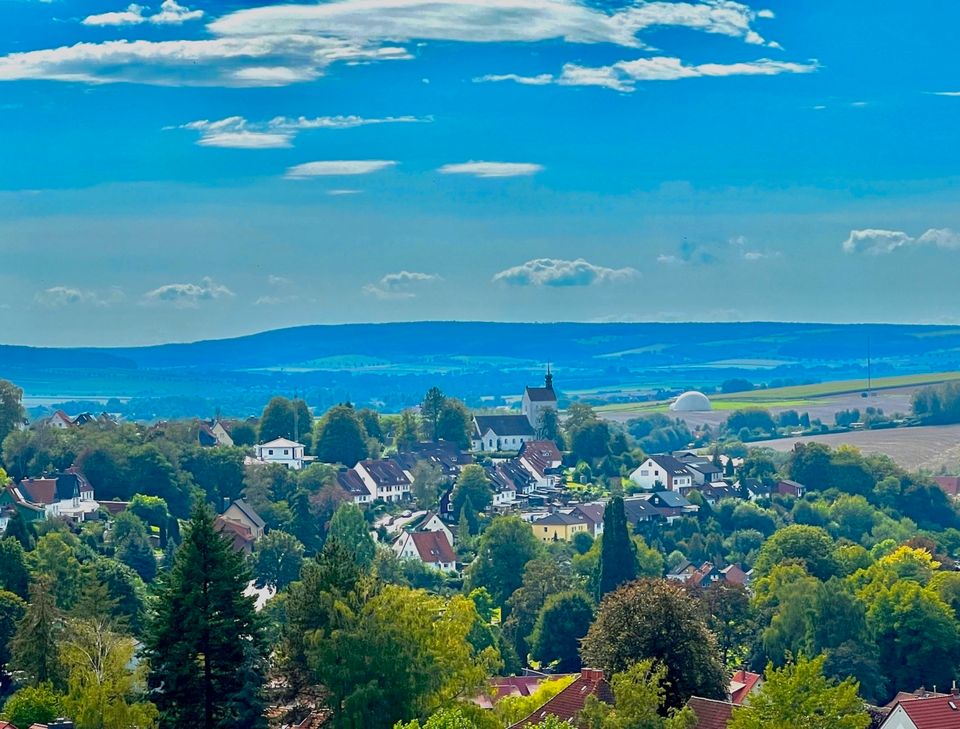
<point x="509" y="432"/>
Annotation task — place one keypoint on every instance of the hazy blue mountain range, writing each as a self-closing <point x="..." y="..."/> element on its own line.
<point x="391" y="365"/>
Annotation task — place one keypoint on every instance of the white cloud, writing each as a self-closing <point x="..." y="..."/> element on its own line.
<point x="876" y="241"/>
<point x="669" y="259"/>
<point x="279" y="132"/>
<point x="171" y="13"/>
<point x="767" y="14"/>
<point x="337" y="167"/>
<point x="541" y="79"/>
<point x="492" y="169"/>
<point x="60" y="296"/>
<point x="945" y="93"/>
<point x="282" y="44"/>
<point x="558" y="272"/>
<point x="187" y="295"/>
<point x="343" y="191"/>
<point x="624" y="75"/>
<point x="399" y="285"/>
<point x="282" y="291"/>
<point x="753" y="256"/>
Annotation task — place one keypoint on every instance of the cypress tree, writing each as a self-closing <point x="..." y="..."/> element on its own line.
<point x="204" y="641"/>
<point x="618" y="556"/>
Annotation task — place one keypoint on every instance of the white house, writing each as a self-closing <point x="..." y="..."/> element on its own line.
<point x="501" y="432"/>
<point x="286" y="452"/>
<point x="431" y="548"/>
<point x="662" y="473"/>
<point x="59" y="420"/>
<point x="433" y="523"/>
<point x="932" y="712"/>
<point x="542" y="460"/>
<point x="385" y="479"/>
<point x="537" y="399"/>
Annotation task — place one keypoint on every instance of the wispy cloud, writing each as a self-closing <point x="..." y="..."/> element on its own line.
<point x="399" y="285"/>
<point x="877" y="241"/>
<point x="337" y="167"/>
<point x="281" y="44"/>
<point x="239" y="133"/>
<point x="171" y="13"/>
<point x="624" y="75"/>
<point x="282" y="291"/>
<point x="693" y="252"/>
<point x="61" y="296"/>
<point x="187" y="295"/>
<point x="492" y="169"/>
<point x="559" y="272"/>
<point x="945" y="93"/>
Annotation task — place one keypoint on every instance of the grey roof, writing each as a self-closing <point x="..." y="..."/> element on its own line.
<point x="637" y="509"/>
<point x="541" y="394"/>
<point x="671" y="499"/>
<point x="503" y="424"/>
<point x="560" y="519"/>
<point x="351" y="482"/>
<point x="250" y="513"/>
<point x="671" y="465"/>
<point x="705" y="468"/>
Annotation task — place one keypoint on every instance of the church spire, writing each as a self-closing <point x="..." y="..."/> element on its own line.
<point x="548" y="380"/>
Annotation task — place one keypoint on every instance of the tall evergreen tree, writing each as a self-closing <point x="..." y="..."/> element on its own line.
<point x="351" y="531"/>
<point x="18" y="529"/>
<point x="618" y="555"/>
<point x="430" y="410"/>
<point x="35" y="646"/>
<point x="204" y="641"/>
<point x="13" y="567"/>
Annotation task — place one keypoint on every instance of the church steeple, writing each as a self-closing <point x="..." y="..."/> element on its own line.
<point x="548" y="380"/>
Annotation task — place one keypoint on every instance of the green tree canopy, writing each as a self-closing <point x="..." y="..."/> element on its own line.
<point x="277" y="559"/>
<point x="351" y="531"/>
<point x="473" y="485"/>
<point x="505" y="547"/>
<point x="340" y="438"/>
<point x="618" y="555"/>
<point x="562" y="622"/>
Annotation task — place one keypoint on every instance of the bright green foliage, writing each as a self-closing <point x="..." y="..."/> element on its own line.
<point x="472" y="485"/>
<point x="12" y="609"/>
<point x="277" y="559"/>
<point x="35" y="643"/>
<point x="101" y="685"/>
<point x="553" y="722"/>
<point x="618" y="556"/>
<point x="504" y="549"/>
<point x="427" y="480"/>
<point x="806" y="545"/>
<point x="511" y="709"/>
<point x="55" y="557"/>
<point x="11" y="408"/>
<point x="542" y="577"/>
<point x="640" y="702"/>
<point x="339" y="437"/>
<point x="151" y="510"/>
<point x="33" y="705"/>
<point x="132" y="547"/>
<point x="798" y="695"/>
<point x="13" y="567"/>
<point x="125" y="588"/>
<point x="204" y="643"/>
<point x="406" y="430"/>
<point x="657" y="619"/>
<point x="351" y="531"/>
<point x="454" y="718"/>
<point x="563" y="621"/>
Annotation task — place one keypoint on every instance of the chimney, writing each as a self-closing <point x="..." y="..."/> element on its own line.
<point x="954" y="691"/>
<point x="593" y="675"/>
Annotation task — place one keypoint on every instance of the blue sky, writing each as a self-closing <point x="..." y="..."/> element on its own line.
<point x="207" y="169"/>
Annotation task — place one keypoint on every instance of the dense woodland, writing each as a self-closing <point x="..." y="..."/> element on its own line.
<point x="140" y="619"/>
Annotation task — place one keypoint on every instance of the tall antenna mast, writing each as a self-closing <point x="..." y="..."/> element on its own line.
<point x="296" y="419"/>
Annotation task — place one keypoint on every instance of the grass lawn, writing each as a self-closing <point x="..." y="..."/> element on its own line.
<point x="841" y="387"/>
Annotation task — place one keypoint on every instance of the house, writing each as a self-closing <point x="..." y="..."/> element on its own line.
<point x="932" y="712"/>
<point x="669" y="505"/>
<point x="59" y="420"/>
<point x="442" y="454"/>
<point x="559" y="526"/>
<point x="240" y="535"/>
<point x="433" y="523"/>
<point x="790" y="488"/>
<point x="12" y="501"/>
<point x="500" y="432"/>
<point x="42" y="492"/>
<point x="593" y="515"/>
<point x="351" y="482"/>
<point x="568" y="704"/>
<point x="537" y="399"/>
<point x="701" y="468"/>
<point x="385" y="479"/>
<point x="212" y="433"/>
<point x="240" y="512"/>
<point x="682" y="572"/>
<point x="950" y="485"/>
<point x="543" y="461"/>
<point x="710" y="713"/>
<point x="431" y="548"/>
<point x="662" y="473"/>
<point x="715" y="491"/>
<point x="735" y="575"/>
<point x="742" y="684"/>
<point x="284" y="451"/>
<point x="500" y="687"/>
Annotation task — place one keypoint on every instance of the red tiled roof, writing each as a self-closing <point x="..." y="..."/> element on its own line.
<point x="949" y="484"/>
<point x="500" y="687"/>
<point x="939" y="712"/>
<point x="39" y="490"/>
<point x="711" y="714"/>
<point x="240" y="533"/>
<point x="433" y="547"/>
<point x="741" y="684"/>
<point x="570" y="702"/>
<point x="920" y="693"/>
<point x="734" y="575"/>
<point x="114" y="507"/>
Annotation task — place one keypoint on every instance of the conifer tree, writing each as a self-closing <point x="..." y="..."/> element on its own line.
<point x="35" y="646"/>
<point x="204" y="641"/>
<point x="618" y="556"/>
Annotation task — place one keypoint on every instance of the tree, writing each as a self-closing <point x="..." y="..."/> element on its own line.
<point x="204" y="642"/>
<point x="33" y="705"/>
<point x="562" y="622"/>
<point x="12" y="414"/>
<point x="807" y="545"/>
<point x="55" y="558"/>
<point x="514" y="708"/>
<point x="13" y="567"/>
<point x="277" y="420"/>
<point x="18" y="529"/>
<point x="340" y="438"/>
<point x="12" y="610"/>
<point x="100" y="682"/>
<point x="798" y="695"/>
<point x="618" y="556"/>
<point x="405" y="434"/>
<point x="35" y="643"/>
<point x="657" y="619"/>
<point x="132" y="545"/>
<point x="472" y="484"/>
<point x="430" y="409"/>
<point x="151" y="510"/>
<point x="427" y="480"/>
<point x="542" y="577"/>
<point x="243" y="434"/>
<point x="453" y="424"/>
<point x="458" y="717"/>
<point x="218" y="471"/>
<point x="731" y="618"/>
<point x="277" y="559"/>
<point x="504" y="549"/>
<point x="548" y="426"/>
<point x="639" y="702"/>
<point x="350" y="530"/>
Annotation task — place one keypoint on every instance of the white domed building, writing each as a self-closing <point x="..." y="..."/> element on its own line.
<point x="691" y="402"/>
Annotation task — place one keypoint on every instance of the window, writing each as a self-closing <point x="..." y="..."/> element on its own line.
<point x="270" y="451"/>
<point x="286" y="451"/>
